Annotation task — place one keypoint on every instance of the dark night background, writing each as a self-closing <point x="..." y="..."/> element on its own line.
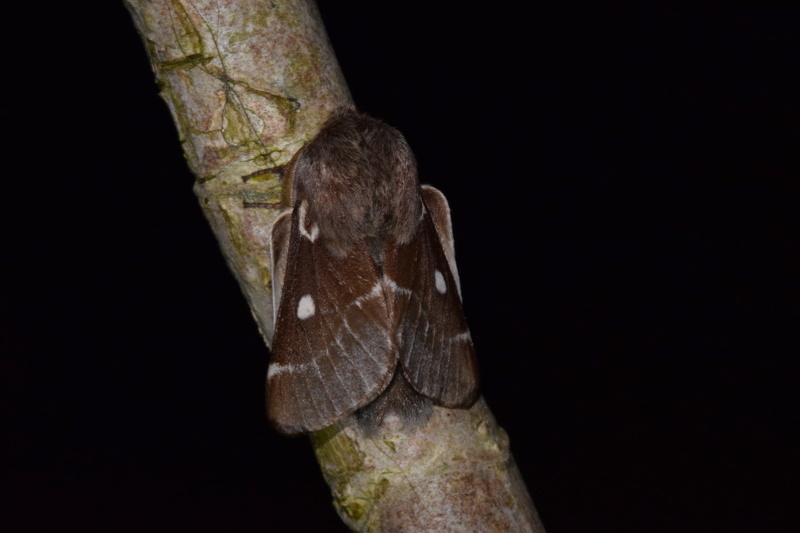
<point x="624" y="188"/>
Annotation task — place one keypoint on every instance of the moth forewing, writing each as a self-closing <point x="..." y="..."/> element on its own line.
<point x="439" y="209"/>
<point x="278" y="252"/>
<point x="434" y="342"/>
<point x="332" y="352"/>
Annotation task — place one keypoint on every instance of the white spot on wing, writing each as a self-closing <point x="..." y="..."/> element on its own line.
<point x="441" y="286"/>
<point x="314" y="233"/>
<point x="275" y="369"/>
<point x="463" y="337"/>
<point x="305" y="307"/>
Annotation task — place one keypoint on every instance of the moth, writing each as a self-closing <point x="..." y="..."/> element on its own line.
<point x="369" y="318"/>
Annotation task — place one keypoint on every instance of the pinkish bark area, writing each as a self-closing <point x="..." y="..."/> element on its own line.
<point x="248" y="82"/>
<point x="455" y="474"/>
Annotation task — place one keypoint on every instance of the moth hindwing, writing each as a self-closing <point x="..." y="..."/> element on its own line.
<point x="365" y="285"/>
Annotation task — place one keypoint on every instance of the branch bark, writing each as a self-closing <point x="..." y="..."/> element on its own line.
<point x="248" y="82"/>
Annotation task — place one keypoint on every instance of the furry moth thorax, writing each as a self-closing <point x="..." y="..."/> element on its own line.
<point x="357" y="180"/>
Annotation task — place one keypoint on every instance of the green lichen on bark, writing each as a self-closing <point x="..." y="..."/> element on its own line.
<point x="460" y="461"/>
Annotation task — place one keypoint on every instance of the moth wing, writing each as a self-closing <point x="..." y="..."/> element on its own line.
<point x="436" y="350"/>
<point x="278" y="251"/>
<point x="440" y="214"/>
<point x="332" y="352"/>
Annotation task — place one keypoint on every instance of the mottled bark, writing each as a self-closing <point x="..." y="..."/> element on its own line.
<point x="248" y="82"/>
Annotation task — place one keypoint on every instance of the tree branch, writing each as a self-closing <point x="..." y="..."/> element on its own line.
<point x="248" y="82"/>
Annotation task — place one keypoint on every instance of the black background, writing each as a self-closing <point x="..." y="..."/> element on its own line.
<point x="624" y="188"/>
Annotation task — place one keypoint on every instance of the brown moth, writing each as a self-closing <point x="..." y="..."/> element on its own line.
<point x="367" y="297"/>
